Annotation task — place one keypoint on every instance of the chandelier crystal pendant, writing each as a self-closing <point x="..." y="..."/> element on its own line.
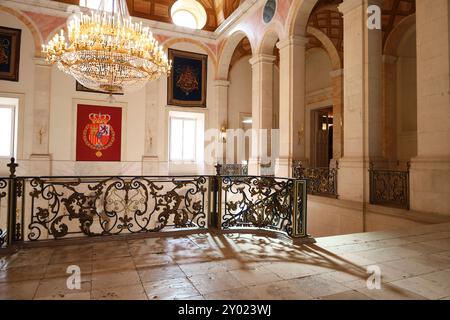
<point x="106" y="51"/>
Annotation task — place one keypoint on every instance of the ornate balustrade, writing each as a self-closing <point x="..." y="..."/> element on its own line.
<point x="234" y="170"/>
<point x="4" y="185"/>
<point x="389" y="187"/>
<point x="48" y="208"/>
<point x="264" y="202"/>
<point x="321" y="181"/>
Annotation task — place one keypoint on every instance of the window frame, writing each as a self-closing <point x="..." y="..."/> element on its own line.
<point x="13" y="133"/>
<point x="183" y="119"/>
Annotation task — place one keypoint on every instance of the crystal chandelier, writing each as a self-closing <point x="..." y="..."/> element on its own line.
<point x="106" y="51"/>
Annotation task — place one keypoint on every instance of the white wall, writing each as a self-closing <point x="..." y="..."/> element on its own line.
<point x="145" y="114"/>
<point x="239" y="92"/>
<point x="23" y="89"/>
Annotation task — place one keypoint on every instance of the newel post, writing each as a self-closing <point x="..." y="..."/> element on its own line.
<point x="216" y="201"/>
<point x="12" y="201"/>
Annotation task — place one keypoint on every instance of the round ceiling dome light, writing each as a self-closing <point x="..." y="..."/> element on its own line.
<point x="188" y="13"/>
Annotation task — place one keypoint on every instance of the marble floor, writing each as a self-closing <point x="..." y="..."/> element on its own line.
<point x="414" y="264"/>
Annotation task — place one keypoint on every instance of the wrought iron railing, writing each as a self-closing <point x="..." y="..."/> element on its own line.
<point x="389" y="187"/>
<point x="48" y="208"/>
<point x="264" y="202"/>
<point x="321" y="181"/>
<point x="4" y="185"/>
<point x="234" y="169"/>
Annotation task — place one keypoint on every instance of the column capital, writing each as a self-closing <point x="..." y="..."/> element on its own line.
<point x="262" y="58"/>
<point x="292" y="41"/>
<point x="348" y="5"/>
<point x="221" y="83"/>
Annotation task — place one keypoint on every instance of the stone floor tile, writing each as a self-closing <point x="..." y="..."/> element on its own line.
<point x="170" y="289"/>
<point x="21" y="290"/>
<point x="157" y="273"/>
<point x="347" y="295"/>
<point x="35" y="272"/>
<point x="255" y="276"/>
<point x="134" y="292"/>
<point x="106" y="280"/>
<point x="317" y="286"/>
<point x="56" y="288"/>
<point x="212" y="282"/>
<point x="279" y="290"/>
<point x="390" y="292"/>
<point x="424" y="287"/>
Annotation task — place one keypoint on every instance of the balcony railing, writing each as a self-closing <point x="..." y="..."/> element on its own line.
<point x="321" y="181"/>
<point x="49" y="208"/>
<point x="234" y="170"/>
<point x="389" y="187"/>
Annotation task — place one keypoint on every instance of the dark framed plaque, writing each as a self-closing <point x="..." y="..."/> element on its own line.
<point x="9" y="53"/>
<point x="187" y="82"/>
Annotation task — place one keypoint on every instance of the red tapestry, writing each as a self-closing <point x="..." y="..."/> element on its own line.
<point x="98" y="133"/>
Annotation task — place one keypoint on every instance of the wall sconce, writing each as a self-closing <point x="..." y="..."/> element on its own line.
<point x="223" y="134"/>
<point x="42" y="132"/>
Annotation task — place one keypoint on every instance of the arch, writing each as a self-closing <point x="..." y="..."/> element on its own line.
<point x="29" y="24"/>
<point x="227" y="53"/>
<point x="329" y="47"/>
<point x="393" y="39"/>
<point x="298" y="17"/>
<point x="170" y="42"/>
<point x="269" y="39"/>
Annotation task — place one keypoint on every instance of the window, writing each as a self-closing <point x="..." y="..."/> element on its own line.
<point x="186" y="136"/>
<point x="8" y="130"/>
<point x="95" y="4"/>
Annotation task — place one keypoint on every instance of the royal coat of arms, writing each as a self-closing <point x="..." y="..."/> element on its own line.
<point x="188" y="79"/>
<point x="99" y="135"/>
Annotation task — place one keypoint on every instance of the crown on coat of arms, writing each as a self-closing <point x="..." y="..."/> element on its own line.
<point x="99" y="118"/>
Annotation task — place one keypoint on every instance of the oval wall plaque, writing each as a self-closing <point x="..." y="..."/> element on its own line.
<point x="269" y="10"/>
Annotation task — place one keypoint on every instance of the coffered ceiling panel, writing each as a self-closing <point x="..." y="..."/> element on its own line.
<point x="159" y="10"/>
<point x="327" y="18"/>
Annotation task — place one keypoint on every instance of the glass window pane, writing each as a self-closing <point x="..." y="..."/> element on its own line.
<point x="176" y="139"/>
<point x="6" y="130"/>
<point x="189" y="136"/>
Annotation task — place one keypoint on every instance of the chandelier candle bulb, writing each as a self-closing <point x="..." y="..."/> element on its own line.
<point x="107" y="51"/>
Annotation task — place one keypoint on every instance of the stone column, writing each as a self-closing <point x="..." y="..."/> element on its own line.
<point x="390" y="108"/>
<point x="430" y="170"/>
<point x="40" y="157"/>
<point x="150" y="160"/>
<point x="221" y="95"/>
<point x="292" y="104"/>
<point x="337" y="77"/>
<point x="262" y="108"/>
<point x="362" y="100"/>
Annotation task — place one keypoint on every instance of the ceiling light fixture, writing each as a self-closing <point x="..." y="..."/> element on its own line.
<point x="188" y="13"/>
<point x="106" y="51"/>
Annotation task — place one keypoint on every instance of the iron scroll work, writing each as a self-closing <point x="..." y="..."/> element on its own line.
<point x="50" y="208"/>
<point x="389" y="187"/>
